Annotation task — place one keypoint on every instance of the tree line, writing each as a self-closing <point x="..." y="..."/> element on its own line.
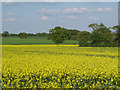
<point x="23" y="34"/>
<point x="101" y="36"/>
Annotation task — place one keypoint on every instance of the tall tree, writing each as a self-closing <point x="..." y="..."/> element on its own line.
<point x="5" y="34"/>
<point x="73" y="33"/>
<point x="23" y="35"/>
<point x="101" y="35"/>
<point x="117" y="34"/>
<point x="58" y="34"/>
<point x="84" y="38"/>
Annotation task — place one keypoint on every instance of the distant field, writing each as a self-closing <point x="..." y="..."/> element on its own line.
<point x="31" y="40"/>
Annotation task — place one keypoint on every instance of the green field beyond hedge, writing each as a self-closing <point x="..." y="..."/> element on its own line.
<point x="31" y="40"/>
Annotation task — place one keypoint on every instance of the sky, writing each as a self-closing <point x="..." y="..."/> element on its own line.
<point x="59" y="0"/>
<point x="119" y="13"/>
<point x="34" y="17"/>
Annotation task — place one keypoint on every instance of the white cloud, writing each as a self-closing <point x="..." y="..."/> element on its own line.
<point x="74" y="10"/>
<point x="67" y="10"/>
<point x="100" y="10"/>
<point x="23" y="21"/>
<point x="83" y="9"/>
<point x="105" y="9"/>
<point x="72" y="17"/>
<point x="8" y="2"/>
<point x="44" y="18"/>
<point x="50" y="11"/>
<point x="108" y="9"/>
<point x="10" y="19"/>
<point x="47" y="18"/>
<point x="94" y="18"/>
<point x="10" y="14"/>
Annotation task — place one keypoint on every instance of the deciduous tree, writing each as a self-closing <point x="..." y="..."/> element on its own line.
<point x="58" y="34"/>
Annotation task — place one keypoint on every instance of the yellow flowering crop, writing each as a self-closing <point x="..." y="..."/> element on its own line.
<point x="63" y="66"/>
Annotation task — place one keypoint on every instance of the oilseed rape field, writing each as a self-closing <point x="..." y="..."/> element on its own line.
<point x="63" y="66"/>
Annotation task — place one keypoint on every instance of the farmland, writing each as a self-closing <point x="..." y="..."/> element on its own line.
<point x="63" y="66"/>
<point x="30" y="40"/>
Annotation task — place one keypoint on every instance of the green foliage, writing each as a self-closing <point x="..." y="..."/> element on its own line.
<point x="30" y="34"/>
<point x="12" y="34"/>
<point x="42" y="34"/>
<point x="101" y="35"/>
<point x="117" y="34"/>
<point x="84" y="38"/>
<point x="5" y="34"/>
<point x="58" y="34"/>
<point x="23" y="35"/>
<point x="73" y="34"/>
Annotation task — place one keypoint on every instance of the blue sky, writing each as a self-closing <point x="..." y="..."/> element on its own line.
<point x="33" y="17"/>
